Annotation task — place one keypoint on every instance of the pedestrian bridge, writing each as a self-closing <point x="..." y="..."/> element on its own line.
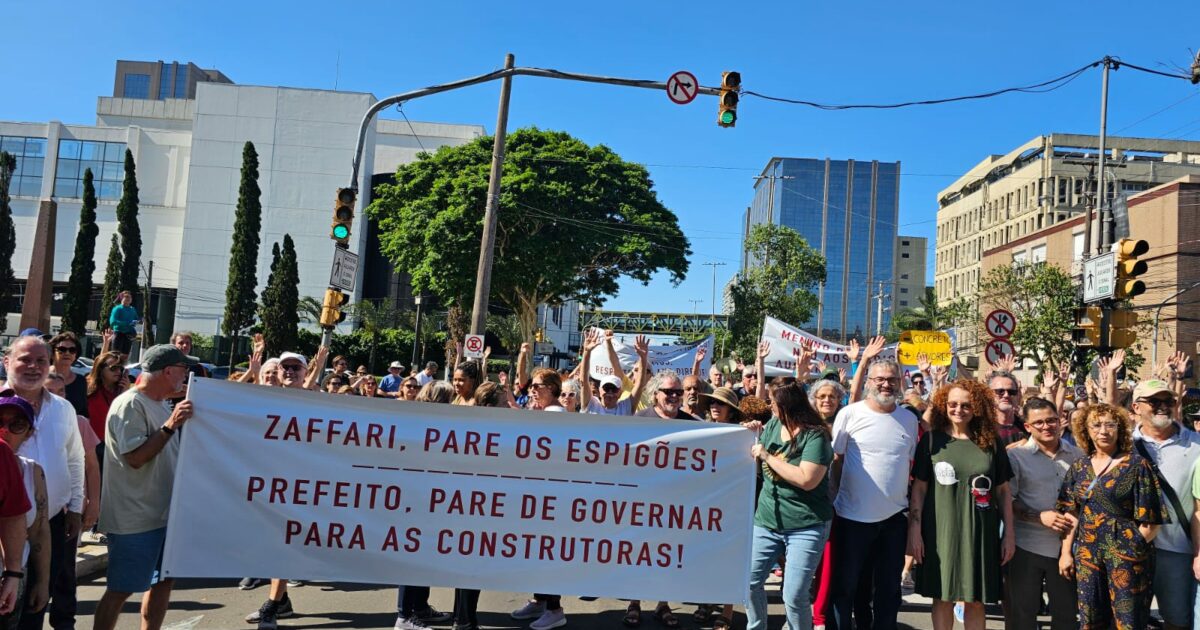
<point x="652" y="323"/>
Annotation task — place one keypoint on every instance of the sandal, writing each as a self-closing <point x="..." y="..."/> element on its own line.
<point x="665" y="617"/>
<point x="703" y="613"/>
<point x="722" y="624"/>
<point x="633" y="617"/>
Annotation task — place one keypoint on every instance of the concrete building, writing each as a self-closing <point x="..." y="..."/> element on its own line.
<point x="1165" y="217"/>
<point x="1006" y="199"/>
<point x="188" y="156"/>
<point x="910" y="272"/>
<point x="847" y="210"/>
<point x="158" y="80"/>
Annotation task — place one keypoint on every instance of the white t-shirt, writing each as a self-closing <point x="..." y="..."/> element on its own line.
<point x="623" y="408"/>
<point x="878" y="449"/>
<point x="423" y="378"/>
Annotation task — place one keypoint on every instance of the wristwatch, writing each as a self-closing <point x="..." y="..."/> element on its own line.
<point x="168" y="430"/>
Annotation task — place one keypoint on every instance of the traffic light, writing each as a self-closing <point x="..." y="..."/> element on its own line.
<point x="1129" y="268"/>
<point x="731" y="82"/>
<point x="1086" y="331"/>
<point x="1120" y="328"/>
<point x="343" y="216"/>
<point x="331" y="308"/>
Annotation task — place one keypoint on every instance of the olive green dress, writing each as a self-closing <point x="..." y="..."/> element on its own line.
<point x="960" y="527"/>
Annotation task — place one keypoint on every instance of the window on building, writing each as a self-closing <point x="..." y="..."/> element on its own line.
<point x="903" y="302"/>
<point x="904" y="255"/>
<point x="904" y="243"/>
<point x="137" y="86"/>
<point x="181" y="75"/>
<point x="904" y="289"/>
<point x="1037" y="254"/>
<point x="1020" y="258"/>
<point x="904" y="276"/>
<point x="30" y="154"/>
<point x="1077" y="246"/>
<point x="105" y="159"/>
<point x="165" y="81"/>
<point x="1062" y="190"/>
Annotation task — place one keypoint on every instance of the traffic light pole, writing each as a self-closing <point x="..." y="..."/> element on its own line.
<point x="1106" y="219"/>
<point x="487" y="243"/>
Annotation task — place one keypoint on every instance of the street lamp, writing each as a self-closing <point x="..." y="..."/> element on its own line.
<point x="1157" y="313"/>
<point x="416" y="332"/>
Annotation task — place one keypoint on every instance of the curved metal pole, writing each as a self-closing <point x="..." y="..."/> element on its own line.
<point x="484" y="78"/>
<point x="1157" y="314"/>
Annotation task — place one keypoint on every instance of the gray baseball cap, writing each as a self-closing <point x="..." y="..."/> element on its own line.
<point x="165" y="355"/>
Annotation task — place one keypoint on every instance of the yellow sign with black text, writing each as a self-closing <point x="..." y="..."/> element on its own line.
<point x="929" y="342"/>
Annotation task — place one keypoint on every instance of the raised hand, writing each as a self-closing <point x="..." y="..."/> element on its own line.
<point x="804" y="355"/>
<point x="1050" y="380"/>
<point x="764" y="349"/>
<point x="923" y="363"/>
<point x="821" y="367"/>
<point x="593" y="339"/>
<point x="874" y="347"/>
<point x="524" y="348"/>
<point x="853" y="350"/>
<point x="1007" y="363"/>
<point x="939" y="374"/>
<point x="701" y="352"/>
<point x="1179" y="363"/>
<point x="1118" y="360"/>
<point x="641" y="345"/>
<point x="842" y="374"/>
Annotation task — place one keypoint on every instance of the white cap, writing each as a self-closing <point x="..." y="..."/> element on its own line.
<point x="397" y="365"/>
<point x="611" y="379"/>
<point x="294" y="356"/>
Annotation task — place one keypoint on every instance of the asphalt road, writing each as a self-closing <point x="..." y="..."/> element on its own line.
<point x="218" y="604"/>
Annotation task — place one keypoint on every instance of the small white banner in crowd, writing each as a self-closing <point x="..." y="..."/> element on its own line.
<point x="784" y="339"/>
<point x="679" y="358"/>
<point x="311" y="486"/>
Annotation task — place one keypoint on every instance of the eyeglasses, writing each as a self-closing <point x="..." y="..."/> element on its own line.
<point x="1002" y="391"/>
<point x="411" y="386"/>
<point x="66" y="349"/>
<point x="954" y="405"/>
<point x="611" y="388"/>
<point x="917" y="381"/>
<point x="1158" y="403"/>
<point x="1042" y="424"/>
<point x="16" y="426"/>
<point x="567" y="394"/>
<point x="114" y="368"/>
<point x="290" y="368"/>
<point x="1105" y="426"/>
<point x="671" y="392"/>
<point x="879" y="380"/>
<point x="537" y="385"/>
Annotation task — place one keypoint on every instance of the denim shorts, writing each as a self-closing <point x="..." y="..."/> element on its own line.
<point x="1174" y="587"/>
<point x="134" y="560"/>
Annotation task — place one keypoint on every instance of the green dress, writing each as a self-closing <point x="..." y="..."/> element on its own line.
<point x="960" y="525"/>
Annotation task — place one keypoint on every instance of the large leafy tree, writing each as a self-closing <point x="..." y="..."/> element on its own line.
<point x="1042" y="298"/>
<point x="243" y="254"/>
<point x="112" y="282"/>
<point x="83" y="265"/>
<point x="280" y="309"/>
<point x="573" y="220"/>
<point x="8" y="237"/>
<point x="781" y="282"/>
<point x="128" y="228"/>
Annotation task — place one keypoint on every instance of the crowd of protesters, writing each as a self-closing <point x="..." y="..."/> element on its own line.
<point x="873" y="483"/>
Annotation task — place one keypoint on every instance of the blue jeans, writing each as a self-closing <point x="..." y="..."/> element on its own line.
<point x="802" y="548"/>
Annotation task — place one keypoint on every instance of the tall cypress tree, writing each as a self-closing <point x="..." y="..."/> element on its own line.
<point x="112" y="282"/>
<point x="8" y="238"/>
<point x="243" y="255"/>
<point x="268" y="312"/>
<point x="83" y="265"/>
<point x="127" y="227"/>
<point x="289" y="294"/>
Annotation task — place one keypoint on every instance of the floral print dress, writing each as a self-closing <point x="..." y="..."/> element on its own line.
<point x="1114" y="565"/>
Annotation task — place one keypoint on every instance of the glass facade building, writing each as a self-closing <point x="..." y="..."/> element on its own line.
<point x="30" y="154"/>
<point x="848" y="210"/>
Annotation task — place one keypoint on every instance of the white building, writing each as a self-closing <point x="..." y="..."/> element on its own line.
<point x="189" y="155"/>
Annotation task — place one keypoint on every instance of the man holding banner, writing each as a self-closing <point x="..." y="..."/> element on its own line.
<point x="140" y="452"/>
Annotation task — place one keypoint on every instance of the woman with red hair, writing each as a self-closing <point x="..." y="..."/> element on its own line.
<point x="960" y="494"/>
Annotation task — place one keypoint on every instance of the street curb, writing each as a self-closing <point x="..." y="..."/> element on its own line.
<point x="91" y="560"/>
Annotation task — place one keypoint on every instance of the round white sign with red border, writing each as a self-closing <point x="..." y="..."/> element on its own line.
<point x="1000" y="323"/>
<point x="997" y="349"/>
<point x="682" y="87"/>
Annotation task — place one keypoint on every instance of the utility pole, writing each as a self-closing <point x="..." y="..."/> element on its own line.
<point x="695" y="303"/>
<point x="483" y="279"/>
<point x="1106" y="220"/>
<point x="714" y="265"/>
<point x="879" y="311"/>
<point x="147" y="319"/>
<point x="416" y="333"/>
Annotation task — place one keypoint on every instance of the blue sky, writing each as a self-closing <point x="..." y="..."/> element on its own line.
<point x="61" y="56"/>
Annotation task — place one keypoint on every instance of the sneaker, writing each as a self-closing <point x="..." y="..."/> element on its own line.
<point x="295" y="583"/>
<point x="279" y="610"/>
<point x="907" y="585"/>
<point x="531" y="610"/>
<point x="431" y="615"/>
<point x="409" y="624"/>
<point x="249" y="584"/>
<point x="958" y="612"/>
<point x="550" y="619"/>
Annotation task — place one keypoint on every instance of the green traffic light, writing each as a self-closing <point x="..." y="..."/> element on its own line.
<point x="727" y="118"/>
<point x="341" y="231"/>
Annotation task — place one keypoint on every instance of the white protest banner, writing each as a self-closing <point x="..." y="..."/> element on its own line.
<point x="679" y="358"/>
<point x="785" y="338"/>
<point x="306" y="485"/>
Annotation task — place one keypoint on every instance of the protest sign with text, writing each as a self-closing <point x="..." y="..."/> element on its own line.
<point x="785" y="339"/>
<point x="678" y="358"/>
<point x="312" y="486"/>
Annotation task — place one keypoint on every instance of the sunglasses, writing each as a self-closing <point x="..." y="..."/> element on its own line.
<point x="671" y="392"/>
<point x="114" y="368"/>
<point x="611" y="388"/>
<point x="568" y="394"/>
<point x="412" y="386"/>
<point x="290" y="368"/>
<point x="1158" y="403"/>
<point x="1001" y="391"/>
<point x="66" y="349"/>
<point x="16" y="426"/>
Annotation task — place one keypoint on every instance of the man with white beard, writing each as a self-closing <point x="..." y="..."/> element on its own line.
<point x="874" y="441"/>
<point x="1173" y="449"/>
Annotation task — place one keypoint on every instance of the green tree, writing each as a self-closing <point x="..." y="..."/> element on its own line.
<point x="243" y="254"/>
<point x="112" y="283"/>
<point x="83" y="265"/>
<point x="373" y="317"/>
<point x="279" y="312"/>
<point x="929" y="315"/>
<point x="127" y="227"/>
<point x="1042" y="297"/>
<point x="8" y="237"/>
<point x="780" y="283"/>
<point x="574" y="219"/>
<point x="507" y="329"/>
<point x="309" y="308"/>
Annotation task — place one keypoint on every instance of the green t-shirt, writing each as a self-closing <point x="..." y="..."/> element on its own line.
<point x="782" y="506"/>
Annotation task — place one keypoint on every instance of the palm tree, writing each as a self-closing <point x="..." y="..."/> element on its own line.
<point x="310" y="309"/>
<point x="374" y="317"/>
<point x="508" y="329"/>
